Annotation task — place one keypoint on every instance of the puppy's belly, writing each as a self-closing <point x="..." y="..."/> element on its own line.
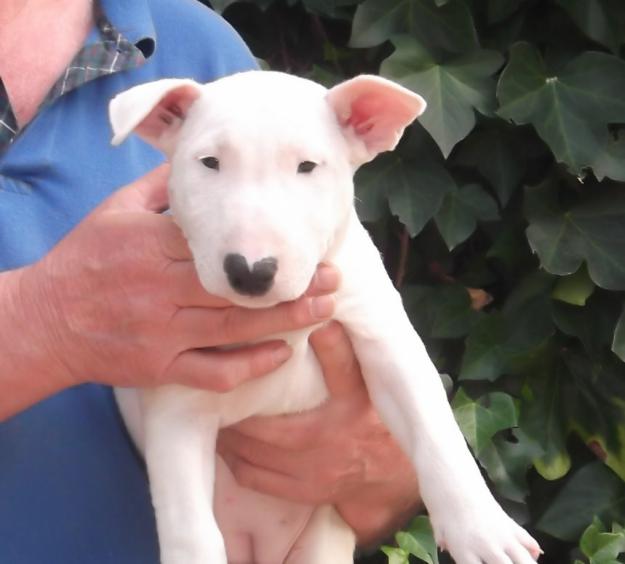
<point x="256" y="528"/>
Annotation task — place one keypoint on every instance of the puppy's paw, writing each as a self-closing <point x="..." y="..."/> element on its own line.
<point x="489" y="537"/>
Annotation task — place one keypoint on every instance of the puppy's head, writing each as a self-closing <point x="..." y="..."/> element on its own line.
<point x="262" y="166"/>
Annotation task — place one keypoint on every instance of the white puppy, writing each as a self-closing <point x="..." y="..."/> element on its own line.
<point x="261" y="185"/>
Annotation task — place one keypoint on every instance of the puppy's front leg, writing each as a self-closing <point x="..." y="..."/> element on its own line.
<point x="407" y="393"/>
<point x="180" y="435"/>
<point x="406" y="390"/>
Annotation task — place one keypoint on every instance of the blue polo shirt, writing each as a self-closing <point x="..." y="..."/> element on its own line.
<point x="72" y="489"/>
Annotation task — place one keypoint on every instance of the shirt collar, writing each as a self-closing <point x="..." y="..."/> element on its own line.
<point x="133" y="19"/>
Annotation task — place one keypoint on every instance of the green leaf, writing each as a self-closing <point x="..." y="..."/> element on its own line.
<point x="418" y="540"/>
<point x="480" y="420"/>
<point x="593" y="324"/>
<point x="415" y="193"/>
<point x="593" y="232"/>
<point x="448" y="27"/>
<point x="507" y="463"/>
<point x="543" y="419"/>
<point x="452" y="314"/>
<point x="553" y="466"/>
<point x="595" y="401"/>
<point x="600" y="545"/>
<point x="610" y="161"/>
<point x="609" y="449"/>
<point x="618" y="342"/>
<point x="372" y="182"/>
<point x="453" y="88"/>
<point x="588" y="540"/>
<point x="601" y="20"/>
<point x="442" y="312"/>
<point x="461" y="209"/>
<point x="487" y="349"/>
<point x="396" y="555"/>
<point x="570" y="108"/>
<point x="498" y="155"/>
<point x="501" y="341"/>
<point x="574" y="289"/>
<point x="413" y="187"/>
<point x="593" y="490"/>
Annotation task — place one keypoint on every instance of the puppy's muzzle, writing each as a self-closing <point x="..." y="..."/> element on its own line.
<point x="255" y="281"/>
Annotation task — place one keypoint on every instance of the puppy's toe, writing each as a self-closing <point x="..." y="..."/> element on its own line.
<point x="520" y="555"/>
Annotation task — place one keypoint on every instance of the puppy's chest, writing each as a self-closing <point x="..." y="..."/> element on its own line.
<point x="297" y="385"/>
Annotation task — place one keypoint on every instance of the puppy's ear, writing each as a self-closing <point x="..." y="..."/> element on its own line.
<point x="155" y="111"/>
<point x="373" y="113"/>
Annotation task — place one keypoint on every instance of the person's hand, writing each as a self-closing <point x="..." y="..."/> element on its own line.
<point x="338" y="453"/>
<point x="119" y="302"/>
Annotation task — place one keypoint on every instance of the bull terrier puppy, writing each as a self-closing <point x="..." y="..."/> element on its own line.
<point x="261" y="186"/>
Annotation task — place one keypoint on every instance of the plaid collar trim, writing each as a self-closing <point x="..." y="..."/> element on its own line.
<point x="112" y="53"/>
<point x="8" y="123"/>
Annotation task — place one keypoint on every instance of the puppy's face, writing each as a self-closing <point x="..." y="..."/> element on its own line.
<point x="262" y="166"/>
<point x="261" y="185"/>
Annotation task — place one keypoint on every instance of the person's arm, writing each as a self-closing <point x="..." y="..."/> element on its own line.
<point x="118" y="301"/>
<point x="28" y="370"/>
<point x="339" y="453"/>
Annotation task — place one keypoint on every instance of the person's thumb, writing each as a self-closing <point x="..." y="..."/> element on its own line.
<point x="148" y="193"/>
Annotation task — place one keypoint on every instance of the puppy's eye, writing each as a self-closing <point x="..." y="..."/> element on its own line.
<point x="210" y="162"/>
<point x="306" y="167"/>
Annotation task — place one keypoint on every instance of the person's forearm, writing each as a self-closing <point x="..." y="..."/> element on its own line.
<point x="29" y="370"/>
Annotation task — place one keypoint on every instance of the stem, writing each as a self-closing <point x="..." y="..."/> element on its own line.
<point x="404" y="244"/>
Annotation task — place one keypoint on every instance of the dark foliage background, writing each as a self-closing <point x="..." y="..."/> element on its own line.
<point x="501" y="217"/>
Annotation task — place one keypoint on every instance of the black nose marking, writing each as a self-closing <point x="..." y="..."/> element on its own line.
<point x="254" y="282"/>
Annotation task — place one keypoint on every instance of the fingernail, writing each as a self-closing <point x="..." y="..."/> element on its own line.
<point x="326" y="278"/>
<point x="322" y="307"/>
<point x="282" y="354"/>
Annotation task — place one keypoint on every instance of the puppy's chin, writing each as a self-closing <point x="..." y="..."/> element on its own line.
<point x="273" y="297"/>
<point x="270" y="299"/>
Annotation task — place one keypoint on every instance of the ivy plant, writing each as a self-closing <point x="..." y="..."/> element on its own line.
<point x="501" y="217"/>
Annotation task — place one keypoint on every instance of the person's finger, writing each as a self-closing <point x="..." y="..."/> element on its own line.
<point x="259" y="453"/>
<point x="273" y="483"/>
<point x="148" y="193"/>
<point x="337" y="359"/>
<point x="187" y="290"/>
<point x="242" y="324"/>
<point x="326" y="280"/>
<point x="291" y="432"/>
<point x="232" y="325"/>
<point x="173" y="243"/>
<point x="222" y="371"/>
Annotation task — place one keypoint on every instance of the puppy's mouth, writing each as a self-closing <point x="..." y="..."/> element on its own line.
<point x="262" y="286"/>
<point x="272" y="298"/>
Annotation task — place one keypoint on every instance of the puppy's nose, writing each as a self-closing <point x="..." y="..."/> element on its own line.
<point x="254" y="281"/>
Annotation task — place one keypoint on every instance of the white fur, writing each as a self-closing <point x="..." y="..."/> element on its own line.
<point x="261" y="125"/>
